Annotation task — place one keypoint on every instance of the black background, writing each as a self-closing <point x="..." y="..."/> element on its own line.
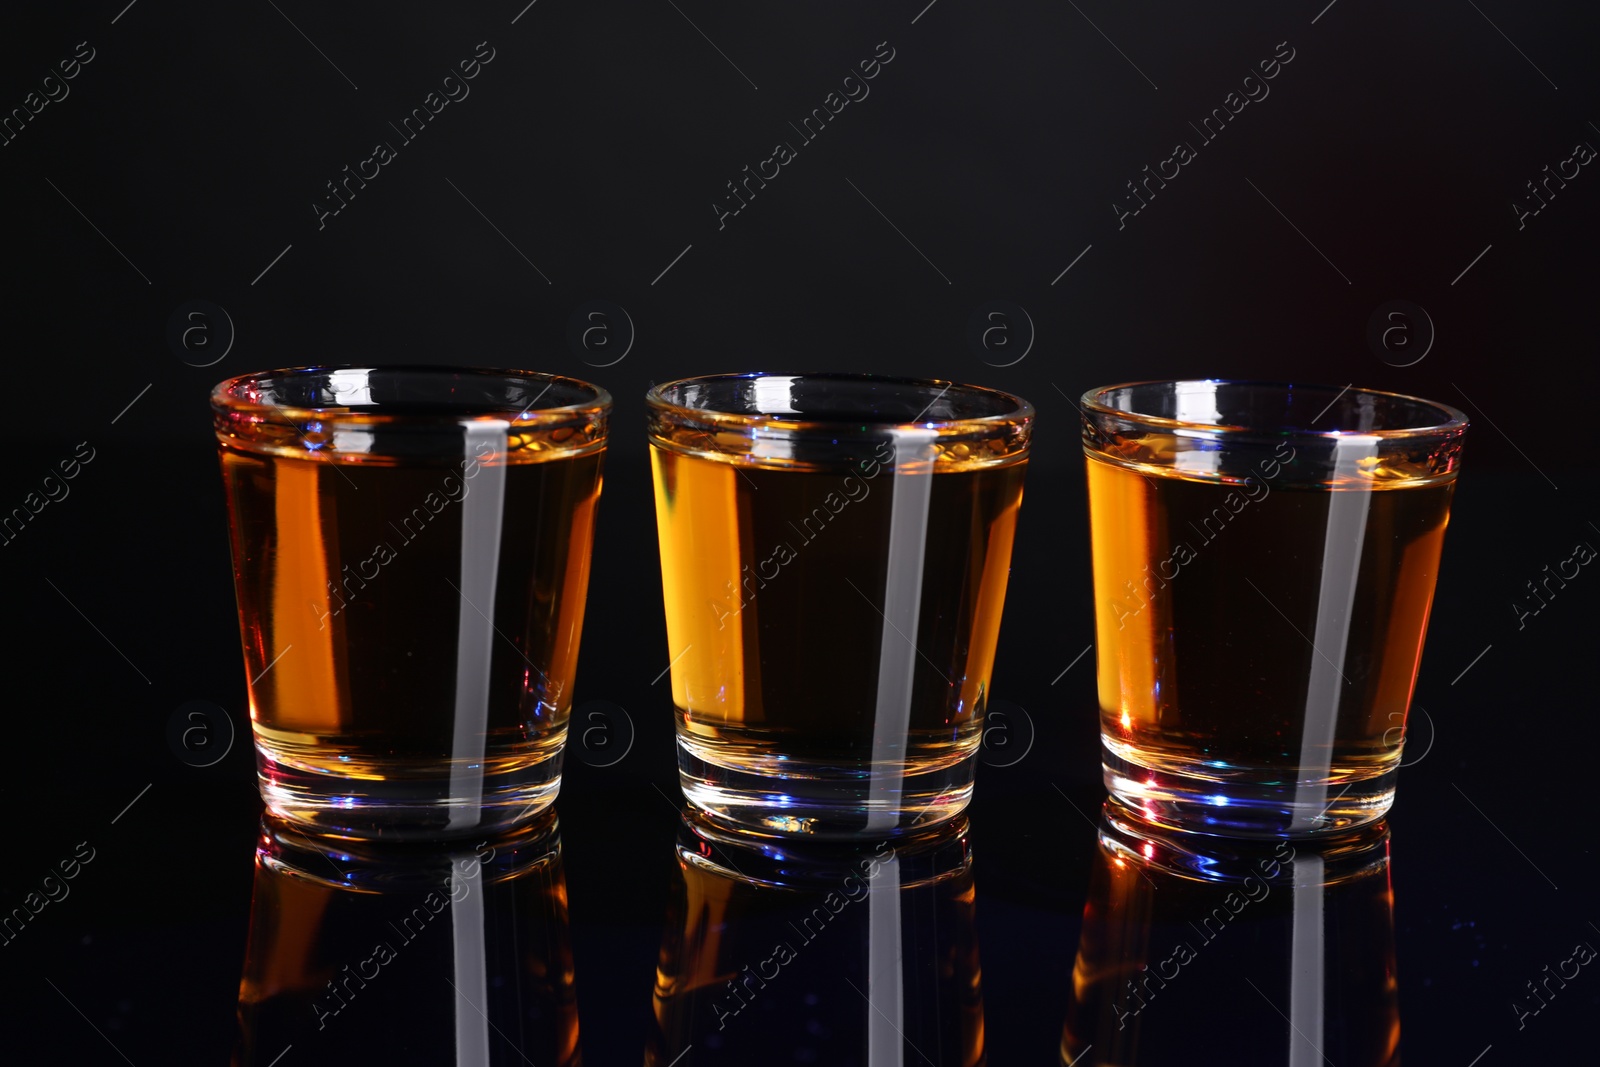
<point x="986" y="160"/>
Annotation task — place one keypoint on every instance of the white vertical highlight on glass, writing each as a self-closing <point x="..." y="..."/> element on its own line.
<point x="352" y="387"/>
<point x="482" y="508"/>
<point x="775" y="396"/>
<point x="1196" y="402"/>
<point x="1345" y="534"/>
<point x="911" y="485"/>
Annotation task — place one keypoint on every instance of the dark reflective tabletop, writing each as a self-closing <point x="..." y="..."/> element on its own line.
<point x="151" y="915"/>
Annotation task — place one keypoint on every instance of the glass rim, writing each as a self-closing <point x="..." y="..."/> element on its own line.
<point x="1455" y="420"/>
<point x="224" y="397"/>
<point x="1019" y="409"/>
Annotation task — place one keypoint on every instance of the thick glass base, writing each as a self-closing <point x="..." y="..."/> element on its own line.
<point x="823" y="801"/>
<point x="411" y="802"/>
<point x="1246" y="806"/>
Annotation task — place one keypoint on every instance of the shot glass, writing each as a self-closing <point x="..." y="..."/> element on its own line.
<point x="411" y="554"/>
<point x="1264" y="563"/>
<point x="834" y="555"/>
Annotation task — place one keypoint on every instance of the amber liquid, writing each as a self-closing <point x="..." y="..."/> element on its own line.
<point x="1259" y="635"/>
<point x="355" y="583"/>
<point x="776" y="589"/>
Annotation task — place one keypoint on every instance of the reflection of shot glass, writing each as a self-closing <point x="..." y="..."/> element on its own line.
<point x="409" y="952"/>
<point x="1264" y="564"/>
<point x="411" y="552"/>
<point x="834" y="552"/>
<point x="821" y="952"/>
<point x="1178" y="928"/>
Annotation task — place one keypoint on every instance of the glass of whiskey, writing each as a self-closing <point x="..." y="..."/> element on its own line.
<point x="1264" y="559"/>
<point x="411" y="554"/>
<point x="834" y="556"/>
